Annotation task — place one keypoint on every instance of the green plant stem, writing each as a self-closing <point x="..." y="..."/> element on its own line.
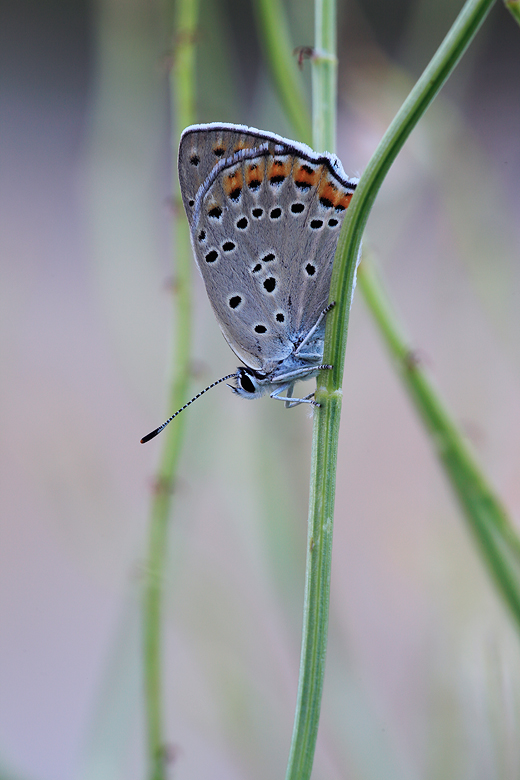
<point x="328" y="391"/>
<point x="324" y="76"/>
<point x="278" y="48"/>
<point x="182" y="88"/>
<point x="434" y="76"/>
<point x="488" y="520"/>
<point x="485" y="514"/>
<point x="514" y="7"/>
<point x="320" y="522"/>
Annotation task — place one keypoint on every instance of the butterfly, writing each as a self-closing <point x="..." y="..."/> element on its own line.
<point x="264" y="215"/>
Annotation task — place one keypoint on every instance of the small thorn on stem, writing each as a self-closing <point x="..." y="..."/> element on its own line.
<point x="303" y="53"/>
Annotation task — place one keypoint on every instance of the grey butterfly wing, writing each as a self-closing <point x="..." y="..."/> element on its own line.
<point x="264" y="219"/>
<point x="314" y="201"/>
<point x="202" y="147"/>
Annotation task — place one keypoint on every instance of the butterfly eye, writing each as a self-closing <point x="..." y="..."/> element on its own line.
<point x="246" y="384"/>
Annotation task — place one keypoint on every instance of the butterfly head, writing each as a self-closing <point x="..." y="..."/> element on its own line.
<point x="250" y="383"/>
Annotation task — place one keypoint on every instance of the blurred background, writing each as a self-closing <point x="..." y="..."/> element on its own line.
<point x="423" y="670"/>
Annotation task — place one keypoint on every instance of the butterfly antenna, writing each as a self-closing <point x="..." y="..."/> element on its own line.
<point x="155" y="433"/>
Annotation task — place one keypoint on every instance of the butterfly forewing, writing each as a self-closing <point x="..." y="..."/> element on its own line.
<point x="202" y="147"/>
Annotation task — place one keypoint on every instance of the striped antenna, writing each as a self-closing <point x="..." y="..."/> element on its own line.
<point x="153" y="434"/>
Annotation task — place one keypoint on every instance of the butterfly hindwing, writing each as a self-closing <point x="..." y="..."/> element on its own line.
<point x="264" y="215"/>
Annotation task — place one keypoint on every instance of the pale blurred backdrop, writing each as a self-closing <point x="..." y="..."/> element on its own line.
<point x="423" y="671"/>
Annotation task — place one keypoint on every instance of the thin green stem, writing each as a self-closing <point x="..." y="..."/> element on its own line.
<point x="277" y="44"/>
<point x="328" y="391"/>
<point x="435" y="75"/>
<point x="488" y="520"/>
<point x="321" y="515"/>
<point x="324" y="76"/>
<point x="514" y="7"/>
<point x="182" y="86"/>
<point x="484" y="512"/>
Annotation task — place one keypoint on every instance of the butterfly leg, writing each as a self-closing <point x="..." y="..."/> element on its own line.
<point x="315" y="327"/>
<point x="305" y="372"/>
<point x="289" y="400"/>
<point x="288" y="394"/>
<point x="298" y="401"/>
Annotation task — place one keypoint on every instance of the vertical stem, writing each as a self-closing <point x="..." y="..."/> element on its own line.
<point x="323" y="463"/>
<point x="324" y="77"/>
<point x="514" y="8"/>
<point x="278" y="49"/>
<point x="328" y="390"/>
<point x="182" y="88"/>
